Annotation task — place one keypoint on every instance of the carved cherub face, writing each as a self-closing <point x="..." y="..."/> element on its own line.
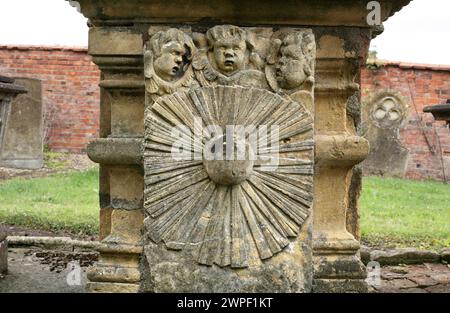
<point x="228" y="47"/>
<point x="169" y="64"/>
<point x="172" y="51"/>
<point x="290" y="68"/>
<point x="230" y="55"/>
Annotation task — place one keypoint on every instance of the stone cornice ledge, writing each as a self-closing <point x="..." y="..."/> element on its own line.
<point x="257" y="12"/>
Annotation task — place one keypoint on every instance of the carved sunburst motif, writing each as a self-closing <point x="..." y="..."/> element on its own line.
<point x="231" y="223"/>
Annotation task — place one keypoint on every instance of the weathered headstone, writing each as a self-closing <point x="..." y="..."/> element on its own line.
<point x="8" y="91"/>
<point x="22" y="143"/>
<point x="384" y="115"/>
<point x="193" y="225"/>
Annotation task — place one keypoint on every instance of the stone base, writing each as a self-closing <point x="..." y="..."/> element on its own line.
<point x="339" y="273"/>
<point x="117" y="270"/>
<point x="23" y="164"/>
<point x="3" y="255"/>
<point x="340" y="286"/>
<point x="112" y="288"/>
<point x="166" y="271"/>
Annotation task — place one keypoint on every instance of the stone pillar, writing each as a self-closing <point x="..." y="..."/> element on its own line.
<point x="118" y="53"/>
<point x="119" y="30"/>
<point x="337" y="267"/>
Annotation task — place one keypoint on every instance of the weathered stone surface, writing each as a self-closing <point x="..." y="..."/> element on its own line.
<point x="423" y="281"/>
<point x="116" y="151"/>
<point x="22" y="142"/>
<point x="172" y="271"/>
<point x="126" y="191"/>
<point x="114" y="274"/>
<point x="253" y="12"/>
<point x="401" y="284"/>
<point x="340" y="286"/>
<point x="404" y="256"/>
<point x="445" y="255"/>
<point x="126" y="226"/>
<point x="354" y="192"/>
<point x="3" y="256"/>
<point x="365" y="254"/>
<point x="441" y="278"/>
<point x="230" y="215"/>
<point x="112" y="288"/>
<point x="53" y="243"/>
<point x="439" y="289"/>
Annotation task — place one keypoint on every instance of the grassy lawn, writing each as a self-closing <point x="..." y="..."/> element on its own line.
<point x="405" y="212"/>
<point x="393" y="211"/>
<point x="59" y="202"/>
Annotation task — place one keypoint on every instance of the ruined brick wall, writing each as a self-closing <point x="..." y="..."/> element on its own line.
<point x="70" y="91"/>
<point x="71" y="100"/>
<point x="419" y="85"/>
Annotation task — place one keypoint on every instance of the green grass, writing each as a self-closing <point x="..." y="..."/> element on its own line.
<point x="59" y="202"/>
<point x="394" y="212"/>
<point x="405" y="213"/>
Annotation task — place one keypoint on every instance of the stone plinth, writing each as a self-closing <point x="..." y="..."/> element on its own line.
<point x="22" y="144"/>
<point x="193" y="226"/>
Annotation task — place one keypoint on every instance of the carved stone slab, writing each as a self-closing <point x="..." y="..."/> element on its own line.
<point x="228" y="150"/>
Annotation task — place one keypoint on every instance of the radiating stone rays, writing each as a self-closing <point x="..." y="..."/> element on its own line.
<point x="227" y="225"/>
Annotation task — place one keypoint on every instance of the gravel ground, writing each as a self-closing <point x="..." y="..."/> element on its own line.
<point x="38" y="271"/>
<point x="44" y="271"/>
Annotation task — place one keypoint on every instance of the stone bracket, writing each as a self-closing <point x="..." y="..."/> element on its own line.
<point x="116" y="151"/>
<point x="340" y="150"/>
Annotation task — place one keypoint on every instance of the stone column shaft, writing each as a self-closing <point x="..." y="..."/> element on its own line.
<point x="118" y="53"/>
<point x="338" y="149"/>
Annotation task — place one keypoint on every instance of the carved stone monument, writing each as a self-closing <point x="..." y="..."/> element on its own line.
<point x="226" y="146"/>
<point x="228" y="223"/>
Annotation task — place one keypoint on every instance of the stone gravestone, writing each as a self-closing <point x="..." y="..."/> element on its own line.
<point x="22" y="144"/>
<point x="8" y="91"/>
<point x="384" y="116"/>
<point x="185" y="204"/>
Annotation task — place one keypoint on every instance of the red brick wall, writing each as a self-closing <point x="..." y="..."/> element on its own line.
<point x="70" y="91"/>
<point x="429" y="85"/>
